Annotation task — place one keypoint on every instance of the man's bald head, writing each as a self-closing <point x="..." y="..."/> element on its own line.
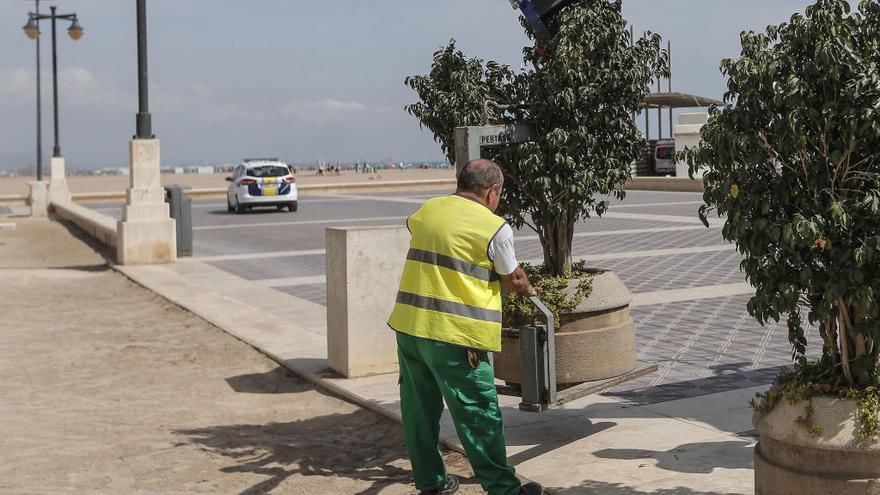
<point x="478" y="175"/>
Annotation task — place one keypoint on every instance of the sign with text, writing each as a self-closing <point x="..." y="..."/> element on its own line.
<point x="469" y="140"/>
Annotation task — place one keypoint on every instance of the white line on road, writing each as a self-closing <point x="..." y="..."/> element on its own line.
<point x="600" y="233"/>
<point x="647" y="254"/>
<point x="298" y="222"/>
<point x="254" y="256"/>
<point x="691" y="294"/>
<point x="649" y="205"/>
<point x="655" y="218"/>
<point x="390" y="199"/>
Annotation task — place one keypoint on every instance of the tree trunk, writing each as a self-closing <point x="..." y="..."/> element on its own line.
<point x="556" y="241"/>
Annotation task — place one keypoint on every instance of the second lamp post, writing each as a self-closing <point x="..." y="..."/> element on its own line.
<point x="75" y="31"/>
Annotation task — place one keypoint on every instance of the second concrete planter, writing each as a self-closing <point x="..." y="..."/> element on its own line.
<point x="594" y="342"/>
<point x="788" y="461"/>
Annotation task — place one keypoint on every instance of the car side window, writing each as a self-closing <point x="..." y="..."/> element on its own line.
<point x="237" y="173"/>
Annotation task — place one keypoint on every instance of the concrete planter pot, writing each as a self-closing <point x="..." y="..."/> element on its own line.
<point x="789" y="461"/>
<point x="594" y="342"/>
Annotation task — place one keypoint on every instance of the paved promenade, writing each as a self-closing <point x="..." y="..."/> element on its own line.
<point x="690" y="295"/>
<point x="109" y="388"/>
<point x="685" y="429"/>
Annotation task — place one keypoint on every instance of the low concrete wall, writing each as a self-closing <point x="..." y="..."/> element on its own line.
<point x="364" y="265"/>
<point x="666" y="184"/>
<point x="13" y="200"/>
<point x="99" y="226"/>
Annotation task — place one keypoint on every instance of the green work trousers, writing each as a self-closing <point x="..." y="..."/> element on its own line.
<point x="431" y="372"/>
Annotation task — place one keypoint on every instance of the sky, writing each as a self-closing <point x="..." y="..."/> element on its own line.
<point x="299" y="79"/>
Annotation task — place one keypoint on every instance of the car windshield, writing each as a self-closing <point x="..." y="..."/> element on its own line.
<point x="268" y="171"/>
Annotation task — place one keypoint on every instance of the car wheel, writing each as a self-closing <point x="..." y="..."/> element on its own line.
<point x="292" y="206"/>
<point x="229" y="207"/>
<point x="239" y="208"/>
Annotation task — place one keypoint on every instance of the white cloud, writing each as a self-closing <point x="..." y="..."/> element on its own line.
<point x="17" y="82"/>
<point x="321" y="109"/>
<point x="79" y="79"/>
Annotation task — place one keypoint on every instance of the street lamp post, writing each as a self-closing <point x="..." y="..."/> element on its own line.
<point x="39" y="101"/>
<point x="146" y="234"/>
<point x="144" y="125"/>
<point x="32" y="30"/>
<point x="57" y="189"/>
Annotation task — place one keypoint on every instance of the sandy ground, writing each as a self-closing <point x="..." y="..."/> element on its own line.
<point x="107" y="388"/>
<point x="84" y="184"/>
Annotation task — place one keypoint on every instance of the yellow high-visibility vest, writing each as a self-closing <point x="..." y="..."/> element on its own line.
<point x="449" y="290"/>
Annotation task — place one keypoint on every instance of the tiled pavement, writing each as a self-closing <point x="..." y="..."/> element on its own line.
<point x="702" y="346"/>
<point x="678" y="271"/>
<point x="316" y="293"/>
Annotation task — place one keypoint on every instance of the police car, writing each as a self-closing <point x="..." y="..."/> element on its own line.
<point x="261" y="182"/>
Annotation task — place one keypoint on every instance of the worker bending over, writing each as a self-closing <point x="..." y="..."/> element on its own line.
<point x="447" y="317"/>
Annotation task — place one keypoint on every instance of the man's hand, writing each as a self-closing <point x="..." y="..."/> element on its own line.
<point x="518" y="282"/>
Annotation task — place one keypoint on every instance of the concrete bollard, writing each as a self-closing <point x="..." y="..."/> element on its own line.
<point x="58" y="190"/>
<point x="38" y="199"/>
<point x="146" y="234"/>
<point x="364" y="265"/>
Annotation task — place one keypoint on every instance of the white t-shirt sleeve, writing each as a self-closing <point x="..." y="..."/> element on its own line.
<point x="501" y="251"/>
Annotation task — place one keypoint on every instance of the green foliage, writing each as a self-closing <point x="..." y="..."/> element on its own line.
<point x="580" y="98"/>
<point x="560" y="293"/>
<point x="792" y="164"/>
<point x="868" y="405"/>
<point x="452" y="94"/>
<point x="806" y="422"/>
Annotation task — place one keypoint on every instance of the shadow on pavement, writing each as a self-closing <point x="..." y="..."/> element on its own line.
<point x="79" y="268"/>
<point x="277" y="381"/>
<point x="698" y="458"/>
<point x="361" y="445"/>
<point x="106" y="252"/>
<point x="548" y="442"/>
<point x="724" y="378"/>
<point x="355" y="446"/>
<point x="603" y="488"/>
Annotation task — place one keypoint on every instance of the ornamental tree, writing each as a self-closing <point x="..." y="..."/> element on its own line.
<point x="580" y="93"/>
<point x="792" y="163"/>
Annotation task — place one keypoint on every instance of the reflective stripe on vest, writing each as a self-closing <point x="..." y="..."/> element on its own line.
<point x="452" y="263"/>
<point x="449" y="290"/>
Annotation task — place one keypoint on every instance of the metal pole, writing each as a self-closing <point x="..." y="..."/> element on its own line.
<point x="39" y="103"/>
<point x="647" y="113"/>
<point x="669" y="51"/>
<point x="659" y="113"/>
<point x="144" y="124"/>
<point x="56" y="151"/>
